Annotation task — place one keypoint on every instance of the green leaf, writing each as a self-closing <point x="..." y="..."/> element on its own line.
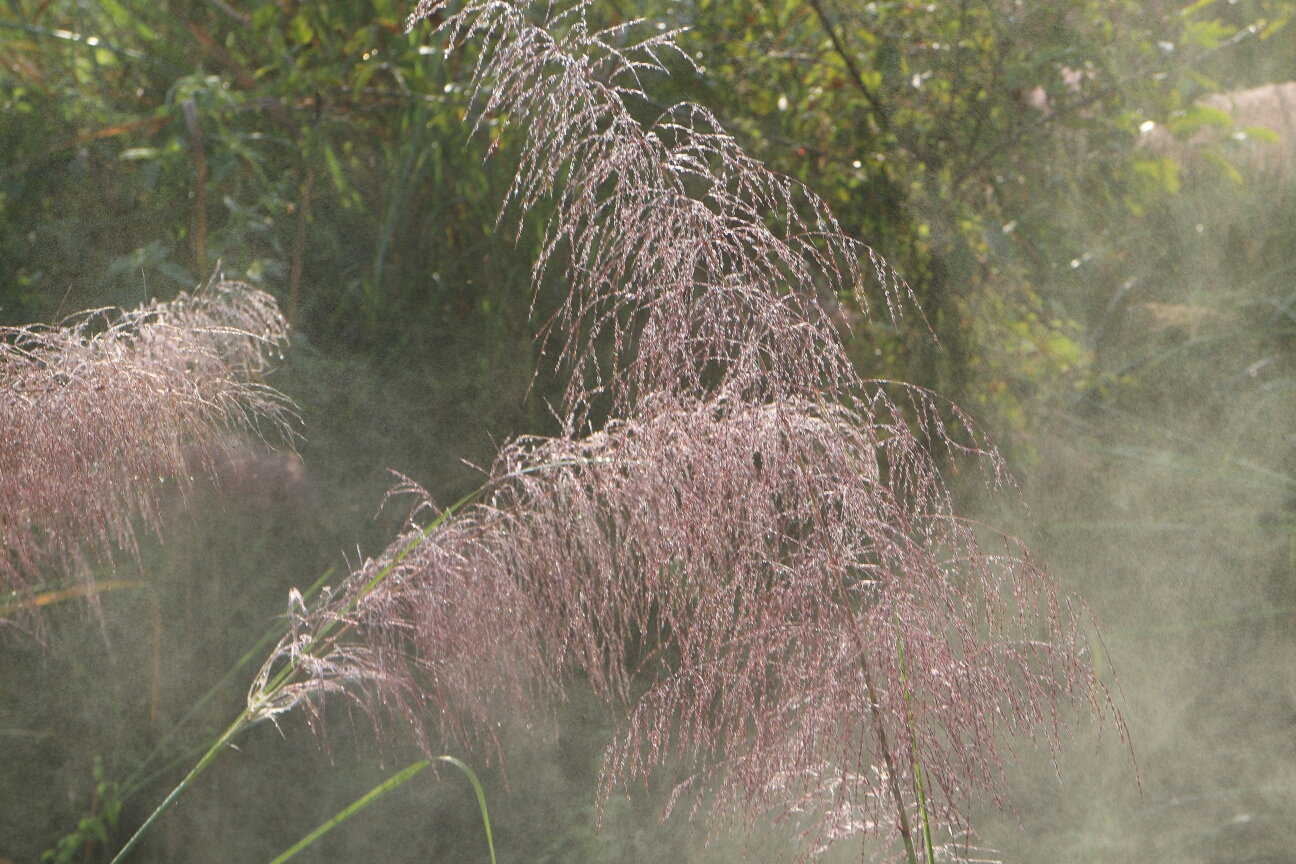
<point x="1225" y="166"/>
<point x="1206" y="34"/>
<point x="382" y="789"/>
<point x="1262" y="133"/>
<point x="1197" y="117"/>
<point x="1274" y="27"/>
<point x="1165" y="171"/>
<point x="300" y="30"/>
<point x="1195" y="7"/>
<point x="265" y="17"/>
<point x="335" y="169"/>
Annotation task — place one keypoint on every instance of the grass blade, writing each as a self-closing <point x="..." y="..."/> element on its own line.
<point x="133" y="783"/>
<point x="481" y="799"/>
<point x="382" y="789"/>
<point x="368" y="798"/>
<point x="45" y="598"/>
<point x="241" y="723"/>
<point x="917" y="768"/>
<point x="210" y="756"/>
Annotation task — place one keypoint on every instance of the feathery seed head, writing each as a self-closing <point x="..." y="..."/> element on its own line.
<point x="100" y="410"/>
<point x="755" y="555"/>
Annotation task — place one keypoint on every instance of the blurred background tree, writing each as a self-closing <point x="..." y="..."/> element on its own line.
<point x="314" y="150"/>
<point x="995" y="153"/>
<point x="1098" y="230"/>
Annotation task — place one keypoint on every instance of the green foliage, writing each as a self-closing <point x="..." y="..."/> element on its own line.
<point x="324" y="159"/>
<point x="96" y="826"/>
<point x="994" y="153"/>
<point x="981" y="147"/>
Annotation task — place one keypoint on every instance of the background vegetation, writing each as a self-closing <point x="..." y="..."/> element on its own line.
<point x="1104" y="251"/>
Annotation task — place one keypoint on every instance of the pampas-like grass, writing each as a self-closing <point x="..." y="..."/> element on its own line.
<point x="99" y="412"/>
<point x="755" y="556"/>
<point x="751" y="582"/>
<point x="677" y="248"/>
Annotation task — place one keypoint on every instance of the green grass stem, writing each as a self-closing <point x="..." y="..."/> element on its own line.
<point x="133" y="783"/>
<point x="281" y="678"/>
<point x="18" y="603"/>
<point x="208" y="758"/>
<point x="917" y="767"/>
<point x="147" y="780"/>
<point x="241" y="723"/>
<point x="382" y="789"/>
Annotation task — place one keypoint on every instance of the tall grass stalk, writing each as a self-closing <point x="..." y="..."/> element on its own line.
<point x="388" y="785"/>
<point x="266" y="699"/>
<point x="276" y="632"/>
<point x="208" y="758"/>
<point x="916" y="765"/>
<point x="135" y="782"/>
<point x="19" y="603"/>
<point x="755" y="553"/>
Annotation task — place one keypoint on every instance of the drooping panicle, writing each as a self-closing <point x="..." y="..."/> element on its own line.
<point x="695" y="261"/>
<point x="98" y="411"/>
<point x="755" y="555"/>
<point x="729" y="575"/>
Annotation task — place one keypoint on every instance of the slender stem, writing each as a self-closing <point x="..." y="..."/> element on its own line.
<point x="131" y="785"/>
<point x="382" y="789"/>
<point x="243" y="721"/>
<point x="155" y="606"/>
<point x="892" y="780"/>
<point x="857" y="76"/>
<point x="239" y="724"/>
<point x="875" y="711"/>
<point x="879" y="727"/>
<point x="268" y="693"/>
<point x="200" y="205"/>
<point x="922" y="804"/>
<point x="45" y="598"/>
<point x="372" y="795"/>
<point x="210" y="756"/>
<point x="913" y="756"/>
<point x="481" y="798"/>
<point x="129" y="791"/>
<point x="419" y="121"/>
<point x="282" y="677"/>
<point x="299" y="249"/>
